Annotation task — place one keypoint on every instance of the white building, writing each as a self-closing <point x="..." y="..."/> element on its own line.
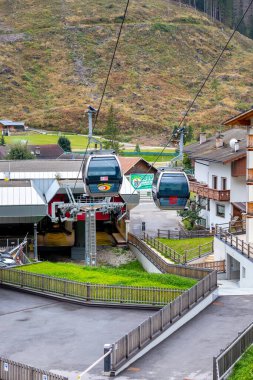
<point x="220" y="176"/>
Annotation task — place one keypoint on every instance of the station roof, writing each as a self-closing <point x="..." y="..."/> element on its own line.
<point x="7" y="123"/>
<point x="207" y="151"/>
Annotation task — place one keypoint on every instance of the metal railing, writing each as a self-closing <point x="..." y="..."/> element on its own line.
<point x="162" y="265"/>
<point x="224" y="363"/>
<point x="233" y="240"/>
<point x="180" y="258"/>
<point x="234" y="227"/>
<point x="11" y="370"/>
<point x="183" y="234"/>
<point x="95" y="293"/>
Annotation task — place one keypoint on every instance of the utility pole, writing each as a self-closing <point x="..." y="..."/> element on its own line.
<point x="35" y="242"/>
<point x="92" y="111"/>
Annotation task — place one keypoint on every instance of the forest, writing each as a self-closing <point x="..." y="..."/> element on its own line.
<point x="228" y="12"/>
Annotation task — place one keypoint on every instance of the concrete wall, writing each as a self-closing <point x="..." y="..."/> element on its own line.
<point x="235" y="262"/>
<point x="147" y="265"/>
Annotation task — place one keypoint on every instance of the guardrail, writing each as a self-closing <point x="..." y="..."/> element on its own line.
<point x="162" y="265"/>
<point x="184" y="258"/>
<point x="11" y="370"/>
<point x="133" y="342"/>
<point x="182" y="234"/>
<point x="95" y="293"/>
<point x="224" y="363"/>
<point x="233" y="240"/>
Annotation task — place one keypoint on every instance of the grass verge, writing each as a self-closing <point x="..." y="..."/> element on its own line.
<point x="127" y="275"/>
<point x="243" y="369"/>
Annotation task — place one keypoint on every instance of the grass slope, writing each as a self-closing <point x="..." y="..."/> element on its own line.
<point x="129" y="275"/>
<point x="184" y="244"/>
<point x="55" y="57"/>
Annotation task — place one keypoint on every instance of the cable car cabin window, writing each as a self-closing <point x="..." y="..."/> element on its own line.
<point x="104" y="167"/>
<point x="173" y="184"/>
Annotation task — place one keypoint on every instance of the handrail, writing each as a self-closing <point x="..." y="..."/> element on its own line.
<point x="241" y="246"/>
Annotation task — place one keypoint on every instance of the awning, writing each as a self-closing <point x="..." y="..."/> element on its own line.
<point x="241" y="206"/>
<point x="21" y="204"/>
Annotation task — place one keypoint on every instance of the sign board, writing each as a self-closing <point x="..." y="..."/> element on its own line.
<point x="6" y="367"/>
<point x="142" y="181"/>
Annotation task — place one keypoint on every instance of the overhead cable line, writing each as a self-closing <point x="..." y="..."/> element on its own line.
<point x="199" y="91"/>
<point x="106" y="83"/>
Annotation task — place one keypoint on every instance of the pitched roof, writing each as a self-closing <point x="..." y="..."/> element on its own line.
<point x="208" y="152"/>
<point x="49" y="151"/>
<point x="7" y="123"/>
<point x="128" y="162"/>
<point x="243" y="118"/>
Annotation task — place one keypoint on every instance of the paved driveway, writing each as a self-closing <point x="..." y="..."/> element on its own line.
<point x="59" y="336"/>
<point x="153" y="217"/>
<point x="67" y="338"/>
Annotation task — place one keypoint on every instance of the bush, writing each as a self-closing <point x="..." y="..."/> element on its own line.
<point x="64" y="143"/>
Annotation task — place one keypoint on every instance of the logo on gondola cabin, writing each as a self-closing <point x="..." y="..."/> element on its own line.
<point x="104" y="187"/>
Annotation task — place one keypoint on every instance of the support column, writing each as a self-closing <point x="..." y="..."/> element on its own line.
<point x="249" y="179"/>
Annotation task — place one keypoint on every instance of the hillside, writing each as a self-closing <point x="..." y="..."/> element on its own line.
<point x="55" y="56"/>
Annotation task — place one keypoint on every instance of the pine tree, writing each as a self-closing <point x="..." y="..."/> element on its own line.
<point x="111" y="132"/>
<point x="2" y="141"/>
<point x="64" y="143"/>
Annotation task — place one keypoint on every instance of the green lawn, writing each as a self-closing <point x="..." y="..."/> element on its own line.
<point x="243" y="369"/>
<point x="182" y="245"/>
<point x="78" y="142"/>
<point x="128" y="275"/>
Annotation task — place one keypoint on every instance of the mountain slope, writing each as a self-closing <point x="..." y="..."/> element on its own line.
<point x="55" y="57"/>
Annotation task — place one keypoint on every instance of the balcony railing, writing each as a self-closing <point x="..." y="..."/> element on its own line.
<point x="206" y="192"/>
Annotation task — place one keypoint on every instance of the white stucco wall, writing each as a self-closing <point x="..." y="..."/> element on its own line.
<point x="238" y="191"/>
<point x="221" y="252"/>
<point x="219" y="170"/>
<point x="201" y="169"/>
<point x="214" y="219"/>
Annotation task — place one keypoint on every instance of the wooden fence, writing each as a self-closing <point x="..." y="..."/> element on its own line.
<point x="220" y="266"/>
<point x="10" y="370"/>
<point x="162" y="265"/>
<point x="186" y="257"/>
<point x="86" y="292"/>
<point x="233" y="240"/>
<point x="224" y="363"/>
<point x="183" y="234"/>
<point x="133" y="342"/>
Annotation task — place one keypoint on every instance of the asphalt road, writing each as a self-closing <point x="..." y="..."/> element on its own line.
<point x="67" y="338"/>
<point x="59" y="336"/>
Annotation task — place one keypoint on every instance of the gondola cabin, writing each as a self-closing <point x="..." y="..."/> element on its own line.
<point x="102" y="175"/>
<point x="170" y="190"/>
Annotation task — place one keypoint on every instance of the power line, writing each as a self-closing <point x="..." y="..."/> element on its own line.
<point x="105" y="85"/>
<point x="199" y="91"/>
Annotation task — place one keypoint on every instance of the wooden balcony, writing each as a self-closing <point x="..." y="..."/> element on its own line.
<point x="207" y="192"/>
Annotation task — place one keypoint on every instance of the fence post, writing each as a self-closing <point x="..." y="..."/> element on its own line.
<point x="88" y="291"/>
<point x="150" y="327"/>
<point x="214" y="369"/>
<point x="158" y="233"/>
<point x="107" y="360"/>
<point x="199" y="250"/>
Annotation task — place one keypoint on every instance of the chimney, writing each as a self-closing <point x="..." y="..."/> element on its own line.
<point x="37" y="151"/>
<point x="219" y="141"/>
<point x="202" y="137"/>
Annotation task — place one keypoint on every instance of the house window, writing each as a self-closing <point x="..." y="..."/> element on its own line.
<point x="220" y="210"/>
<point x="215" y="181"/>
<point x="223" y="183"/>
<point x="203" y="203"/>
